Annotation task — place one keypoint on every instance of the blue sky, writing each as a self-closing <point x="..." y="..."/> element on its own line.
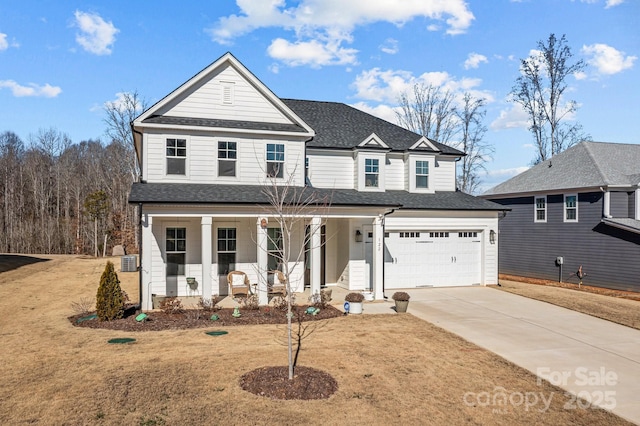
<point x="60" y="62"/>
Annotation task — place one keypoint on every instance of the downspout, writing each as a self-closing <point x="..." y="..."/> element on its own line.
<point x="606" y="203"/>
<point x="384" y="244"/>
<point x="140" y="254"/>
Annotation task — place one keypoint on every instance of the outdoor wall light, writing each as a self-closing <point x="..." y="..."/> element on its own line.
<point x="492" y="236"/>
<point x="358" y="236"/>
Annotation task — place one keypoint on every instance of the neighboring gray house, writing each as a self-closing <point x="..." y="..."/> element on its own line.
<point x="208" y="149"/>
<point x="582" y="205"/>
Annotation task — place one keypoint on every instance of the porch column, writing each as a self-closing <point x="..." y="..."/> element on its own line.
<point x="314" y="254"/>
<point x="378" y="258"/>
<point x="145" y="262"/>
<point x="206" y="253"/>
<point x="263" y="260"/>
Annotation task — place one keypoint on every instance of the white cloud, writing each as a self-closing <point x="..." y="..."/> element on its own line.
<point x="507" y="173"/>
<point x="96" y="36"/>
<point x="4" y="44"/>
<point x="32" y="89"/>
<point x="330" y="23"/>
<point x="387" y="86"/>
<point x="313" y="53"/>
<point x="511" y="118"/>
<point x="390" y="46"/>
<point x="612" y="3"/>
<point x="381" y="111"/>
<point x="120" y="102"/>
<point x="606" y="59"/>
<point x="474" y="60"/>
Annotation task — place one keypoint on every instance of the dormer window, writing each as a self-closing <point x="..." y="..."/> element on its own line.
<point x="371" y="172"/>
<point x="422" y="174"/>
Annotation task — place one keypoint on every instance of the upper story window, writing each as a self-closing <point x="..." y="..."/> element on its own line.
<point x="371" y="172"/>
<point x="422" y="174"/>
<point x="275" y="160"/>
<point x="540" y="209"/>
<point x="227" y="155"/>
<point x="176" y="156"/>
<point x="570" y="208"/>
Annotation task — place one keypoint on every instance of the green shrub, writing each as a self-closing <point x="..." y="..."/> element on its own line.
<point x="109" y="301"/>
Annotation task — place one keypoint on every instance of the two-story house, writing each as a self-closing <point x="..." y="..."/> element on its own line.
<point x="579" y="208"/>
<point x="394" y="219"/>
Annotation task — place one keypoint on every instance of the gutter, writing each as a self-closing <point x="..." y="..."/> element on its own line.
<point x="140" y="254"/>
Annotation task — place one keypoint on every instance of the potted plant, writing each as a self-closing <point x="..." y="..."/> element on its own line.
<point x="355" y="302"/>
<point x="402" y="300"/>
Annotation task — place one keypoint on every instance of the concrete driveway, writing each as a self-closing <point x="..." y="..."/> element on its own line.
<point x="593" y="358"/>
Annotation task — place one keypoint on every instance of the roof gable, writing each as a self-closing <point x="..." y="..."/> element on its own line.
<point x="584" y="165"/>
<point x="222" y="95"/>
<point x="424" y="144"/>
<point x="372" y="141"/>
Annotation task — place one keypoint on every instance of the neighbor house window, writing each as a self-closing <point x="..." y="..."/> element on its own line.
<point x="422" y="174"/>
<point x="274" y="248"/>
<point x="371" y="172"/>
<point x="275" y="160"/>
<point x="176" y="156"/>
<point x="541" y="209"/>
<point x="226" y="250"/>
<point x="176" y="249"/>
<point x="570" y="208"/>
<point x="227" y="155"/>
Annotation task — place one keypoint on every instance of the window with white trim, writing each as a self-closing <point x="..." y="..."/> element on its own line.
<point x="371" y="172"/>
<point x="540" y="213"/>
<point x="226" y="250"/>
<point x="422" y="174"/>
<point x="176" y="156"/>
<point x="274" y="248"/>
<point x="275" y="160"/>
<point x="570" y="208"/>
<point x="176" y="250"/>
<point x="227" y="156"/>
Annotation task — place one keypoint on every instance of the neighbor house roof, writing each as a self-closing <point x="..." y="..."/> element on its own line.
<point x="338" y="125"/>
<point x="189" y="193"/>
<point x="584" y="165"/>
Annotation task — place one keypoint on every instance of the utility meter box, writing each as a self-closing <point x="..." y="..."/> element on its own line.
<point x="559" y="260"/>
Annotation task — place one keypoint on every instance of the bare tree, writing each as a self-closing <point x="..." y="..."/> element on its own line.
<point x="291" y="206"/>
<point x="540" y="91"/>
<point x="472" y="131"/>
<point x="428" y="111"/>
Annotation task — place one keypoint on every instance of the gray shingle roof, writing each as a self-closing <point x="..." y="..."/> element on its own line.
<point x="338" y="125"/>
<point x="189" y="193"/>
<point x="232" y="124"/>
<point x="624" y="223"/>
<point x="585" y="165"/>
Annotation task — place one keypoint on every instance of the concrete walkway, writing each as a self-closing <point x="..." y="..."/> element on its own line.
<point x="593" y="358"/>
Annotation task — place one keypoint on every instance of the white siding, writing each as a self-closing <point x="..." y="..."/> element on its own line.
<point x="444" y="176"/>
<point x="334" y="170"/>
<point x="395" y="174"/>
<point x="202" y="160"/>
<point x="206" y="101"/>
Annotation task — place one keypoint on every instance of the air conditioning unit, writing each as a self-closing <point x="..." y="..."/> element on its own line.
<point x="129" y="263"/>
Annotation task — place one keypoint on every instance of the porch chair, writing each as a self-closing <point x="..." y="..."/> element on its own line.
<point x="277" y="283"/>
<point x="238" y="283"/>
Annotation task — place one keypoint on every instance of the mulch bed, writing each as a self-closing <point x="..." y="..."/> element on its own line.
<point x="192" y="318"/>
<point x="273" y="382"/>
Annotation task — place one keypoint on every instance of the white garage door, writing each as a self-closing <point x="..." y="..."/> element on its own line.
<point x="432" y="258"/>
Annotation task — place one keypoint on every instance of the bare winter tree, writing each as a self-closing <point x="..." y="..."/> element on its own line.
<point x="472" y="130"/>
<point x="540" y="91"/>
<point x="429" y="111"/>
<point x="291" y="206"/>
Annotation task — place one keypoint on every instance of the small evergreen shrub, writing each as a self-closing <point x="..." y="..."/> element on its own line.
<point x="109" y="300"/>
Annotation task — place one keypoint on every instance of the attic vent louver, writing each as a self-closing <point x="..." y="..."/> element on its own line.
<point x="227" y="93"/>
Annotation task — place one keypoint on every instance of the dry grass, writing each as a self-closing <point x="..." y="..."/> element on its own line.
<point x="618" y="307"/>
<point x="389" y="368"/>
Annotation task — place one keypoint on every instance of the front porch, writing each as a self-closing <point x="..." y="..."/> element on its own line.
<point x="338" y="251"/>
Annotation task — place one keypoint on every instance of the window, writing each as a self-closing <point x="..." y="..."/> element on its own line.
<point x="422" y="174"/>
<point x="275" y="160"/>
<point x="227" y="154"/>
<point x="540" y="209"/>
<point x="467" y="234"/>
<point x="226" y="250"/>
<point x="176" y="156"/>
<point x="371" y="172"/>
<point x="176" y="249"/>
<point x="570" y="208"/>
<point x="409" y="235"/>
<point x="274" y="248"/>
<point x="438" y="235"/>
